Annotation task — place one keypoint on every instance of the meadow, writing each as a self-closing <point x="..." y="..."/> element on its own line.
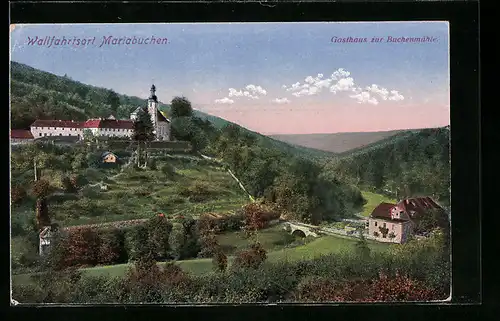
<point x="191" y="189"/>
<point x="372" y="201"/>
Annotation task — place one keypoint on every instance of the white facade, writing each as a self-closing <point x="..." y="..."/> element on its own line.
<point x="110" y="132"/>
<point x="163" y="130"/>
<point x="44" y="131"/>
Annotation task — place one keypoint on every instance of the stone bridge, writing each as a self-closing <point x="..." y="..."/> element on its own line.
<point x="304" y="230"/>
<point x="301" y="229"/>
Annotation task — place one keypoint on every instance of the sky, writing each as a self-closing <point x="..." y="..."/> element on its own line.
<point x="273" y="78"/>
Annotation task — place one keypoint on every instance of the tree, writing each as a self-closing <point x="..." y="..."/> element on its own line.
<point x="180" y="107"/>
<point x="42" y="212"/>
<point x="113" y="100"/>
<point x="362" y="248"/>
<point x="88" y="135"/>
<point x="41" y="188"/>
<point x="143" y="133"/>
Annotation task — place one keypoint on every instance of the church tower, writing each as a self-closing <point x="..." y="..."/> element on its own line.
<point x="153" y="108"/>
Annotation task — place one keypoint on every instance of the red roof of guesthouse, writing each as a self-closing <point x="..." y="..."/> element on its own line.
<point x="20" y="134"/>
<point x="383" y="210"/>
<point x="418" y="206"/>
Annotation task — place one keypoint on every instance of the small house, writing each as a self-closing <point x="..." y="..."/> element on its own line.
<point x="109" y="157"/>
<point x="385" y="227"/>
<point x="396" y="222"/>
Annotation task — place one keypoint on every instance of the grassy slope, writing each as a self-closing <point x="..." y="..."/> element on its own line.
<point x="137" y="196"/>
<point x="336" y="142"/>
<point x="373" y="200"/>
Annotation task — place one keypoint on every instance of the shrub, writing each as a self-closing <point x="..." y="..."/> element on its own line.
<point x="42" y="212"/>
<point x="176" y="242"/>
<point x="219" y="261"/>
<point x="78" y="181"/>
<point x="67" y="184"/>
<point x="136" y="240"/>
<point x="82" y="247"/>
<point x="41" y="188"/>
<point x="257" y="217"/>
<point x="17" y="194"/>
<point x="197" y="192"/>
<point x="112" y="249"/>
<point x="90" y="192"/>
<point x="152" y="164"/>
<point x="168" y="170"/>
<point x="251" y="258"/>
<point x="159" y="229"/>
<point x="209" y="245"/>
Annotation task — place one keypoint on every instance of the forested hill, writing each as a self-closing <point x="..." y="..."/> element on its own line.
<point x="410" y="163"/>
<point x="37" y="94"/>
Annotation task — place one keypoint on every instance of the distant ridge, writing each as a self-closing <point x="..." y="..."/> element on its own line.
<point x="337" y="142"/>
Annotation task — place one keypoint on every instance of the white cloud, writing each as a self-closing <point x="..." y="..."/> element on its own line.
<point x="340" y="73"/>
<point x="239" y="93"/>
<point x="224" y="100"/>
<point x="250" y="91"/>
<point x="342" y="81"/>
<point x="281" y="100"/>
<point x="364" y="97"/>
<point x="258" y="90"/>
<point x="382" y="92"/>
<point x="344" y="84"/>
<point x="396" y="96"/>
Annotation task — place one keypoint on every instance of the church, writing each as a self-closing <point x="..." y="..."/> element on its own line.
<point x="161" y="123"/>
<point x="109" y="127"/>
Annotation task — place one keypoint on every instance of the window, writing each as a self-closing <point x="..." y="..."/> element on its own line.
<point x="40" y="134"/>
<point x="44" y="134"/>
<point x="375" y="223"/>
<point x="60" y="134"/>
<point x="385" y="225"/>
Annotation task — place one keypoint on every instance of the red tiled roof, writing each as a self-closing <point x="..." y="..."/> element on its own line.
<point x="417" y="206"/>
<point x="383" y="210"/>
<point x="109" y="123"/>
<point x="20" y="134"/>
<point x="57" y="123"/>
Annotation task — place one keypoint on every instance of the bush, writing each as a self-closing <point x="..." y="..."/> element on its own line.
<point x="257" y="217"/>
<point x="136" y="240"/>
<point x="159" y="229"/>
<point x="219" y="261"/>
<point x="197" y="192"/>
<point x="82" y="247"/>
<point x="152" y="164"/>
<point x="112" y="249"/>
<point x="68" y="185"/>
<point x="17" y="194"/>
<point x="251" y="258"/>
<point x="41" y="188"/>
<point x="168" y="170"/>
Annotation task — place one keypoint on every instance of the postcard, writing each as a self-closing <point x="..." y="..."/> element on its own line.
<point x="228" y="163"/>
